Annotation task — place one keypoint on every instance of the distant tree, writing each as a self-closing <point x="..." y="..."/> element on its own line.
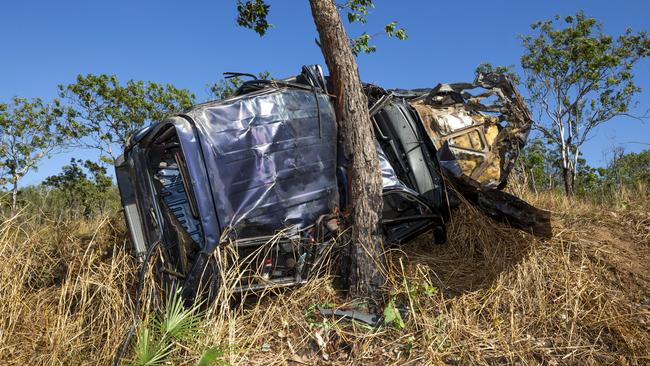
<point x="542" y="168"/>
<point x="579" y="78"/>
<point x="628" y="169"/>
<point x="106" y="113"/>
<point x="227" y="87"/>
<point x="84" y="185"/>
<point x="365" y="253"/>
<point x="29" y="131"/>
<point x="509" y="71"/>
<point x="588" y="179"/>
<point x="533" y="163"/>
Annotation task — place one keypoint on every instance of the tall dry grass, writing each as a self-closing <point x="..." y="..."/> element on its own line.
<point x="64" y="291"/>
<point x="492" y="295"/>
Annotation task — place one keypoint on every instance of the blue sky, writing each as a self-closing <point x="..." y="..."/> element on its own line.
<point x="190" y="43"/>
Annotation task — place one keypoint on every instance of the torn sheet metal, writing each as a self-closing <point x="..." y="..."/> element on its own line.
<point x="388" y="176"/>
<point x="373" y="320"/>
<point x="358" y="315"/>
<point x="476" y="135"/>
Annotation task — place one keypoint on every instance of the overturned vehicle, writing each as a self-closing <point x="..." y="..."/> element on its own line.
<point x="245" y="192"/>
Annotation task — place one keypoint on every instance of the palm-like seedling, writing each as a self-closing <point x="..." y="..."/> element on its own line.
<point x="178" y="322"/>
<point x="149" y="352"/>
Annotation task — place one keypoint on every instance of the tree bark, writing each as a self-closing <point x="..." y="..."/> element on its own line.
<point x="567" y="172"/>
<point x="365" y="250"/>
<point x="567" y="176"/>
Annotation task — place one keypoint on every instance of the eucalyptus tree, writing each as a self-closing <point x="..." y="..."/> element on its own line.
<point x="105" y="113"/>
<point x="84" y="186"/>
<point x="579" y="78"/>
<point x="29" y="131"/>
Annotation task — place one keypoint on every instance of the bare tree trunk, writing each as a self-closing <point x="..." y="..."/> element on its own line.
<point x="532" y="176"/>
<point x="14" y="193"/>
<point x="567" y="176"/>
<point x="367" y="263"/>
<point x="567" y="172"/>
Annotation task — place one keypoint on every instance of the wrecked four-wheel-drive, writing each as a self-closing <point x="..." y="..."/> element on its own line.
<point x="246" y="192"/>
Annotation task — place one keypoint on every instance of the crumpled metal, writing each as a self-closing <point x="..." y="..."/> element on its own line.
<point x="481" y="140"/>
<point x="270" y="160"/>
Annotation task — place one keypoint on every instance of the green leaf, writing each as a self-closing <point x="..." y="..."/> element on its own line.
<point x="390" y="28"/>
<point x="392" y="316"/>
<point x="211" y="356"/>
<point x="429" y="290"/>
<point x="401" y="34"/>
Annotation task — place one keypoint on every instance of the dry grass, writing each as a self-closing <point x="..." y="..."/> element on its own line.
<point x="63" y="291"/>
<point x="504" y="297"/>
